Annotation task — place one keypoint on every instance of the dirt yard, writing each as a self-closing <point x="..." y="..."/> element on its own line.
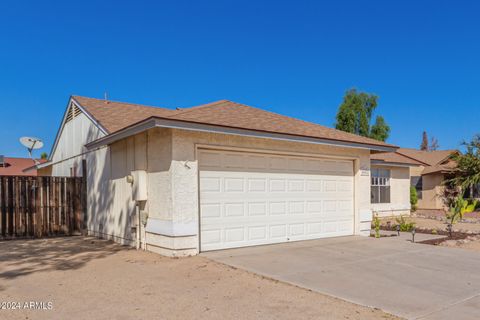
<point x="86" y="278"/>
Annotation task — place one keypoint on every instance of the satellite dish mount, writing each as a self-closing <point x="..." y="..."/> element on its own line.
<point x="31" y="144"/>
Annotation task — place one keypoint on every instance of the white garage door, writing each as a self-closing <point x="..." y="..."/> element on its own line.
<point x="253" y="198"/>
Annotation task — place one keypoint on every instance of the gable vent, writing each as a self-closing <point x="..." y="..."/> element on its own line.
<point x="72" y="113"/>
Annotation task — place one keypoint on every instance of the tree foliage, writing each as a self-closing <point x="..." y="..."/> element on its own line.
<point x="355" y="114"/>
<point x="467" y="173"/>
<point x="424" y="145"/>
<point x="43" y="155"/>
<point x="413" y="198"/>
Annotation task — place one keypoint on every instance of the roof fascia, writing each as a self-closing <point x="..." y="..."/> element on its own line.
<point x="191" y="126"/>
<point x="393" y="164"/>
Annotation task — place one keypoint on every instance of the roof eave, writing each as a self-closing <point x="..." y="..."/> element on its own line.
<point x="154" y="122"/>
<point x="393" y="164"/>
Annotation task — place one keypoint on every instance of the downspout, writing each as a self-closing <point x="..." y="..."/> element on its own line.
<point x="137" y="233"/>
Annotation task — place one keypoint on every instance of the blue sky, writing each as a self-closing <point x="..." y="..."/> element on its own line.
<point x="292" y="57"/>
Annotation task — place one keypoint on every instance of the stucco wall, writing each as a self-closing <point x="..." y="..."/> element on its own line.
<point x="184" y="170"/>
<point x="111" y="209"/>
<point x="432" y="191"/>
<point x="169" y="156"/>
<point x="416" y="171"/>
<point x="399" y="193"/>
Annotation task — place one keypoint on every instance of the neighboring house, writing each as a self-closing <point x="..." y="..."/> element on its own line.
<point x="429" y="177"/>
<point x="10" y="166"/>
<point x="390" y="183"/>
<point x="215" y="176"/>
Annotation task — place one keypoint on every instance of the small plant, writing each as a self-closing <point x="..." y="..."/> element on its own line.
<point x="405" y="226"/>
<point x="458" y="208"/>
<point x="376" y="225"/>
<point x="413" y="198"/>
<point x="434" y="231"/>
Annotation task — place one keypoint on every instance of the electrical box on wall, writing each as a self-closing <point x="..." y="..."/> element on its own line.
<point x="139" y="185"/>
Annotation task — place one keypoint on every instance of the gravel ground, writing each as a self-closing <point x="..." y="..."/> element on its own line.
<point x="86" y="278"/>
<point x="471" y="243"/>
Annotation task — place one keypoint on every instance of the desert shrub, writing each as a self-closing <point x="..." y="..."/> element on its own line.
<point x="376" y="225"/>
<point x="457" y="209"/>
<point x="413" y="198"/>
<point x="405" y="226"/>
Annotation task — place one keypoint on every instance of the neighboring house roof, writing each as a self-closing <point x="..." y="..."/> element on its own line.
<point x="438" y="161"/>
<point x="115" y="116"/>
<point x="393" y="158"/>
<point x="16" y="167"/>
<point x="429" y="158"/>
<point x="446" y="167"/>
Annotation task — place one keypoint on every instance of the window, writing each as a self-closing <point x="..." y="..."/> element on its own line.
<point x="417" y="182"/>
<point x="380" y="185"/>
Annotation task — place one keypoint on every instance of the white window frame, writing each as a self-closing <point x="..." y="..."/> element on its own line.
<point x="380" y="178"/>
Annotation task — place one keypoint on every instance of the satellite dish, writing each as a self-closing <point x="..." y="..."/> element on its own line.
<point x="31" y="144"/>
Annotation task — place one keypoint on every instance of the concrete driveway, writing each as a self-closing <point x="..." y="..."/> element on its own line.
<point x="414" y="281"/>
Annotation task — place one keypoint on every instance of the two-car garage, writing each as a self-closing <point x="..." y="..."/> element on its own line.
<point x="253" y="198"/>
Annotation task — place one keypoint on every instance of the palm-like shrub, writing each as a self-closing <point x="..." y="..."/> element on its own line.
<point x="467" y="173"/>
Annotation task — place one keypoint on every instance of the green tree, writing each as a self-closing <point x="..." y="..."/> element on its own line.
<point x="355" y="114"/>
<point x="380" y="130"/>
<point x="43" y="155"/>
<point x="424" y="145"/>
<point x="467" y="173"/>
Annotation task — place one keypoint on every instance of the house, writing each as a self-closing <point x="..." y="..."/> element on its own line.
<point x="390" y="183"/>
<point x="215" y="176"/>
<point x="428" y="178"/>
<point x="10" y="166"/>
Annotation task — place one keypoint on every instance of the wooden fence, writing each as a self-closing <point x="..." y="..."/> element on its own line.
<point x="34" y="207"/>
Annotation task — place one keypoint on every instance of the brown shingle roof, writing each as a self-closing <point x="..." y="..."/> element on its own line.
<point x="15" y="167"/>
<point x="114" y="116"/>
<point x="394" y="157"/>
<point x="430" y="158"/>
<point x="444" y="167"/>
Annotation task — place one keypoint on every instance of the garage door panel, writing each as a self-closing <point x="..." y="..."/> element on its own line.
<point x="234" y="209"/>
<point x="257" y="232"/>
<point x="250" y="199"/>
<point x="278" y="231"/>
<point x="234" y="234"/>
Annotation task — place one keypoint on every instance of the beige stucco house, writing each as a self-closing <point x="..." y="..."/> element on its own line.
<point x="428" y="178"/>
<point x="215" y="176"/>
<point x="390" y="183"/>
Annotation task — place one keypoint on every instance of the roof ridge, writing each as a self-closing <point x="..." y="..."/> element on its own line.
<point x="431" y="151"/>
<point x="121" y="102"/>
<point x="308" y="122"/>
<point x="194" y="108"/>
<point x="416" y="159"/>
